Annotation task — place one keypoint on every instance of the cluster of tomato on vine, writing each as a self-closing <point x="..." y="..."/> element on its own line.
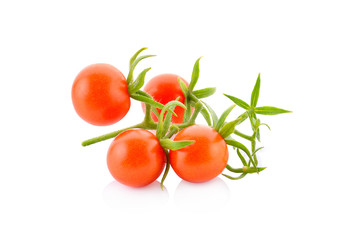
<point x="168" y="135"/>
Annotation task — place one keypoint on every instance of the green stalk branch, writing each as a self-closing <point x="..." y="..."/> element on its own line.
<point x="109" y="135"/>
<point x="147" y="123"/>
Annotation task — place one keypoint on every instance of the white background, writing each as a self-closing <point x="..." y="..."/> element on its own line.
<point x="52" y="188"/>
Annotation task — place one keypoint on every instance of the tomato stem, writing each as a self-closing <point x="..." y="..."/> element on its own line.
<point x="148" y="119"/>
<point x="166" y="170"/>
<point x="253" y="148"/>
<point x="110" y="135"/>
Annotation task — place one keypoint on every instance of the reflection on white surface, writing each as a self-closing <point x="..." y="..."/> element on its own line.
<point x="117" y="195"/>
<point x="207" y="196"/>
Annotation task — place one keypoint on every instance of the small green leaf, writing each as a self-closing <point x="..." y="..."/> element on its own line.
<point x="270" y="110"/>
<point x="242" y="147"/>
<point x="235" y="170"/>
<point x="245" y="170"/>
<point x="138" y="83"/>
<point x="235" y="178"/>
<point x="252" y="116"/>
<point x="258" y="136"/>
<point x="206" y="115"/>
<point x="265" y="125"/>
<point x="214" y="117"/>
<point x="228" y="128"/>
<point x="164" y="125"/>
<point x="167" y="122"/>
<point x="183" y="87"/>
<point x="257" y="150"/>
<point x="175" y="145"/>
<point x="238" y="102"/>
<point x="256" y="92"/>
<point x="148" y="100"/>
<point x="195" y="75"/>
<point x="132" y="67"/>
<point x="204" y="93"/>
<point x="144" y="94"/>
<point x="223" y="117"/>
<point x="133" y="58"/>
<point x="243" y="160"/>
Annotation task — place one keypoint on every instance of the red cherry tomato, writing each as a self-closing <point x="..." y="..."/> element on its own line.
<point x="165" y="88"/>
<point x="136" y="158"/>
<point x="99" y="94"/>
<point x="203" y="160"/>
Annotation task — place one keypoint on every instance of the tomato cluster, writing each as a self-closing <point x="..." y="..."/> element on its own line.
<point x="137" y="157"/>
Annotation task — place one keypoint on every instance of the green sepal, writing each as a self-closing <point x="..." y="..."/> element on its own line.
<point x="168" y="117"/>
<point x="245" y="170"/>
<point x="183" y="87"/>
<point x="213" y="115"/>
<point x="243" y="160"/>
<point x="148" y="100"/>
<point x="195" y="75"/>
<point x="153" y="109"/>
<point x="258" y="135"/>
<point x="133" y="58"/>
<point x="242" y="147"/>
<point x="204" y="93"/>
<point x="253" y="118"/>
<point x="166" y="122"/>
<point x="257" y="150"/>
<point x="163" y="125"/>
<point x="235" y="178"/>
<point x="256" y="92"/>
<point x="206" y="116"/>
<point x="138" y="83"/>
<point x="267" y="110"/>
<point x="265" y="125"/>
<point x="223" y="117"/>
<point x="228" y="128"/>
<point x="133" y="65"/>
<point x="238" y="102"/>
<point x="175" y="145"/>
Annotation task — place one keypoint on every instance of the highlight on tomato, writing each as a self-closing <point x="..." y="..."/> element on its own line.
<point x="165" y="88"/>
<point x="204" y="159"/>
<point x="100" y="95"/>
<point x="136" y="158"/>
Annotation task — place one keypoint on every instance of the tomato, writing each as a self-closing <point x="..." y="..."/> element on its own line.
<point x="204" y="159"/>
<point x="99" y="94"/>
<point x="136" y="158"/>
<point x="165" y="88"/>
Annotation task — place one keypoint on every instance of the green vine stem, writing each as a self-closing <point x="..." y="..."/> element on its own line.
<point x="109" y="135"/>
<point x="253" y="147"/>
<point x="147" y="123"/>
<point x="166" y="170"/>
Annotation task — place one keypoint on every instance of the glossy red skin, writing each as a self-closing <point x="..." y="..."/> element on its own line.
<point x="135" y="158"/>
<point x="100" y="95"/>
<point x="165" y="88"/>
<point x="203" y="160"/>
